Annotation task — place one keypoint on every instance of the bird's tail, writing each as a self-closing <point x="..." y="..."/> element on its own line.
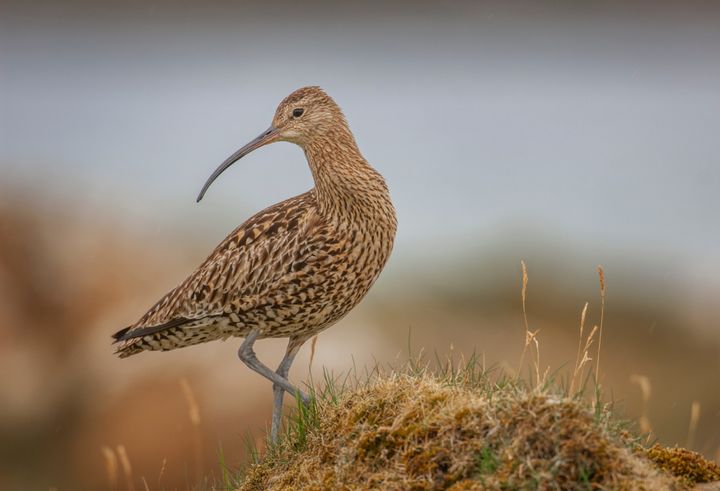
<point x="174" y="334"/>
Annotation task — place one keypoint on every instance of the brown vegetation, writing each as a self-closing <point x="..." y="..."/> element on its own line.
<point x="460" y="432"/>
<point x="689" y="466"/>
<point x="71" y="276"/>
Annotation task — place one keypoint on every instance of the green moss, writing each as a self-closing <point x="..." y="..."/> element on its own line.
<point x="486" y="462"/>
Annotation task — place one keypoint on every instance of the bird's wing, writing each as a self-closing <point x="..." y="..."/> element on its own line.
<point x="250" y="263"/>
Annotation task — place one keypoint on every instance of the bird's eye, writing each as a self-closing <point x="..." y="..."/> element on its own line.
<point x="298" y="112"/>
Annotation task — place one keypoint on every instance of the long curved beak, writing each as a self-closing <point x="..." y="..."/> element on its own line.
<point x="268" y="136"/>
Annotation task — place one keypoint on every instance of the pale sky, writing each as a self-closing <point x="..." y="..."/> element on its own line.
<point x="598" y="128"/>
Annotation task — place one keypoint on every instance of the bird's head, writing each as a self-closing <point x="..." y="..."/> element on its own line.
<point x="303" y="116"/>
<point x="306" y="114"/>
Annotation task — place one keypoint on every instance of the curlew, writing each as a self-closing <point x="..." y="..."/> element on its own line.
<point x="295" y="268"/>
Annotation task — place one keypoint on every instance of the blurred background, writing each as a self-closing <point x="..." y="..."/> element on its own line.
<point x="567" y="134"/>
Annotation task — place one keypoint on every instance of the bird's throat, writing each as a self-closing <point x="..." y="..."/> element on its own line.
<point x="342" y="176"/>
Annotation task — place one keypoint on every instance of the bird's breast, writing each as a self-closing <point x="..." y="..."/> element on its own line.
<point x="360" y="254"/>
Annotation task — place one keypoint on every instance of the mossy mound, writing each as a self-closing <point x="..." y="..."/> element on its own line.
<point x="690" y="467"/>
<point x="424" y="432"/>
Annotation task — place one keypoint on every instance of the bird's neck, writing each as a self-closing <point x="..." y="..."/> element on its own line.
<point x="346" y="186"/>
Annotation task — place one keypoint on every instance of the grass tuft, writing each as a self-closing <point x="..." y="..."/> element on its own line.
<point x="458" y="427"/>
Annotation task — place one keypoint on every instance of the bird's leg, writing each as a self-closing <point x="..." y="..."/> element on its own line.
<point x="278" y="392"/>
<point x="247" y="355"/>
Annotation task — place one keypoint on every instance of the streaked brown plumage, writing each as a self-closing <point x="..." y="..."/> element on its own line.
<point x="296" y="267"/>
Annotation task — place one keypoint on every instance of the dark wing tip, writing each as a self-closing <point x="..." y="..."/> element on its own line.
<point x="127" y="333"/>
<point x="118" y="336"/>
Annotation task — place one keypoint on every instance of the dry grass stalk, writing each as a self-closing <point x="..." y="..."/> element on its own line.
<point x="601" y="274"/>
<point x="193" y="409"/>
<point x="462" y="363"/>
<point x="589" y="343"/>
<point x="194" y="416"/>
<point x="539" y="380"/>
<point x="313" y="344"/>
<point x="646" y="390"/>
<point x="126" y="467"/>
<point x="692" y="428"/>
<point x="111" y="466"/>
<point x="583" y="354"/>
<point x="145" y="484"/>
<point x="579" y="350"/>
<point x="528" y="334"/>
<point x="162" y="472"/>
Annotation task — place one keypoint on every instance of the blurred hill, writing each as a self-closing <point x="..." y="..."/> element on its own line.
<point x="69" y="277"/>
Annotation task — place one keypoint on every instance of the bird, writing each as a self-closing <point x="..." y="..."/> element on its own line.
<point x="293" y="269"/>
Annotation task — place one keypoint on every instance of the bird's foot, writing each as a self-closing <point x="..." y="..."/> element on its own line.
<point x="278" y="391"/>
<point x="302" y="397"/>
